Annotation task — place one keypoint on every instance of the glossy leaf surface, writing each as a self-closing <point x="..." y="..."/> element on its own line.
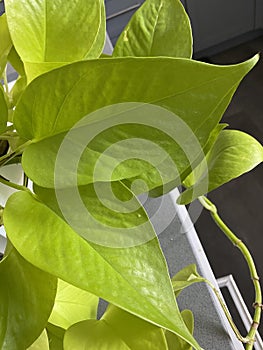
<point x="111" y="215"/>
<point x="177" y="84"/>
<point x="68" y="165"/>
<point x="233" y="154"/>
<point x="34" y="69"/>
<point x="27" y="296"/>
<point x="103" y="271"/>
<point x="91" y="232"/>
<point x="199" y="102"/>
<point x="72" y="305"/>
<point x="53" y="31"/>
<point x="158" y="28"/>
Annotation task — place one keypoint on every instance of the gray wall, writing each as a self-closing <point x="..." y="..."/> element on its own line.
<point x="213" y="21"/>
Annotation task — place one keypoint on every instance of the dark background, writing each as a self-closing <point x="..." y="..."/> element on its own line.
<point x="240" y="201"/>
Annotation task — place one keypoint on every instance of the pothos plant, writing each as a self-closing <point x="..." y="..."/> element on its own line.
<point x="92" y="132"/>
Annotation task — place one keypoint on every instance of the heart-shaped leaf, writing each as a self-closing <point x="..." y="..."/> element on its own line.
<point x="233" y="154"/>
<point x="144" y="290"/>
<point x="27" y="295"/>
<point x="158" y="28"/>
<point x="179" y="85"/>
<point x="115" y="153"/>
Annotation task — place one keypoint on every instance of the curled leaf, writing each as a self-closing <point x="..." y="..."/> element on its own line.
<point x="233" y="154"/>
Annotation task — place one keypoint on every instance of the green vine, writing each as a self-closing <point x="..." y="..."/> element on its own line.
<point x="9" y="156"/>
<point x="250" y="338"/>
<point x="11" y="184"/>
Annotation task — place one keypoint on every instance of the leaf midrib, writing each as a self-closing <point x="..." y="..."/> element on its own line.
<point x="154" y="27"/>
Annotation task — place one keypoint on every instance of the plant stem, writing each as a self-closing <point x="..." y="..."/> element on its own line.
<point x="13" y="185"/>
<point x="4" y="159"/>
<point x="251" y="265"/>
<point x="228" y="316"/>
